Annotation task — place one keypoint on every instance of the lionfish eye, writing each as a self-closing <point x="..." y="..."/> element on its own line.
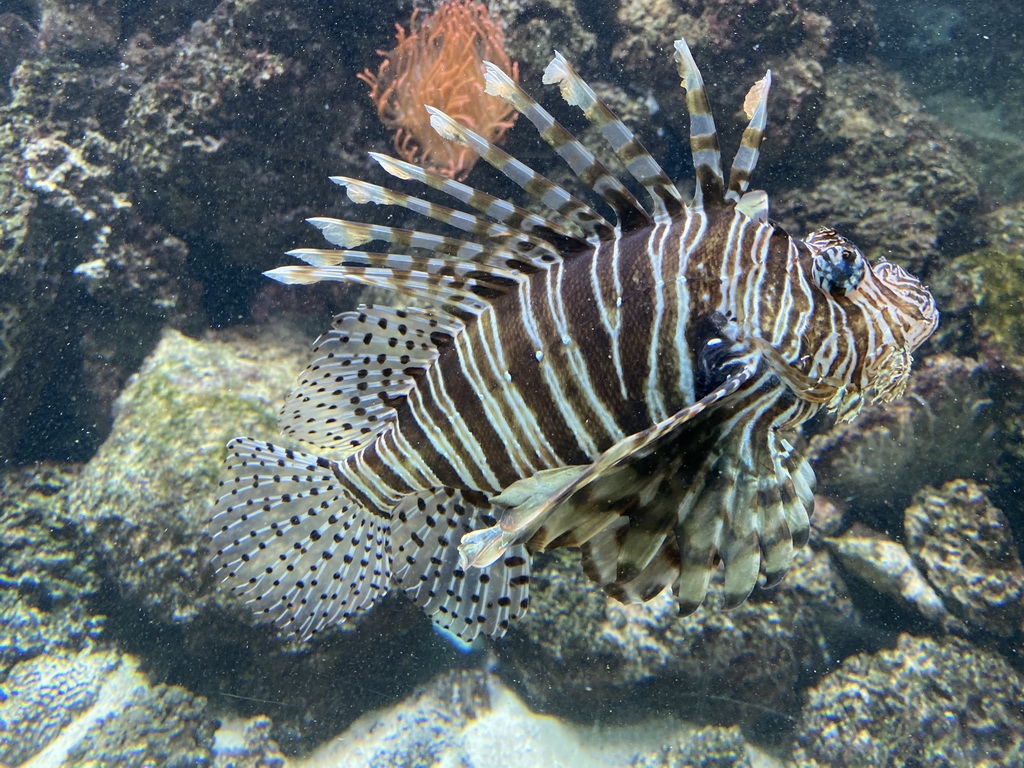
<point x="838" y="265"/>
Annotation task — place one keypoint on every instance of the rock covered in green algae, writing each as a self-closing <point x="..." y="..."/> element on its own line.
<point x="47" y="572"/>
<point x="966" y="548"/>
<point x="144" y="498"/>
<point x="578" y="652"/>
<point x="96" y="708"/>
<point x="988" y="284"/>
<point x="925" y="702"/>
<point x="144" y="501"/>
<point x="980" y="292"/>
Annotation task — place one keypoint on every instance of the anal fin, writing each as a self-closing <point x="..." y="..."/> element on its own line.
<point x="426" y="530"/>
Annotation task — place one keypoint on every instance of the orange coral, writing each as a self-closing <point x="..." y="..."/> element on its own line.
<point x="440" y="63"/>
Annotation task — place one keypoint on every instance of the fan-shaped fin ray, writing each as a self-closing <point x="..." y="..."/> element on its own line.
<point x="345" y="398"/>
<point x="290" y="539"/>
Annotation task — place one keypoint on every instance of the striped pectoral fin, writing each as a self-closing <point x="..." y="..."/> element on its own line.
<point x="749" y="510"/>
<point x="636" y="558"/>
<point x="289" y="538"/>
<point x="725" y="489"/>
<point x="532" y="503"/>
<point x="785" y="498"/>
<point x="427" y="530"/>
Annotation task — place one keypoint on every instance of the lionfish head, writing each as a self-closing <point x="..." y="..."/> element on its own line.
<point x="899" y="313"/>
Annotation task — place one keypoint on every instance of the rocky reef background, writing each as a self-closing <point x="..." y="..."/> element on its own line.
<point x="157" y="156"/>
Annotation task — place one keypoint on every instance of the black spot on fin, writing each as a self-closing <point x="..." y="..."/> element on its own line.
<point x="347" y="395"/>
<point x="426" y="530"/>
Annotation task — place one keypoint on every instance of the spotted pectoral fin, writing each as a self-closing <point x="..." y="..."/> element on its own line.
<point x="530" y="503"/>
<point x="427" y="529"/>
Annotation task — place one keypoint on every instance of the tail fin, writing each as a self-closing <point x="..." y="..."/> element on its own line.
<point x="290" y="537"/>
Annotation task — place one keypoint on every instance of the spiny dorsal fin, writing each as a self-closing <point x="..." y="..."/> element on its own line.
<point x="541" y="189"/>
<point x="631" y="215"/>
<point x="535" y="250"/>
<point x="509" y="214"/>
<point x="498" y="277"/>
<point x="346" y="397"/>
<point x="707" y="157"/>
<point x="665" y="198"/>
<point x="288" y="537"/>
<point x="426" y="529"/>
<point x="756" y="107"/>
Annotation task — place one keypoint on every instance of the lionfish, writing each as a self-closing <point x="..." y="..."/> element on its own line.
<point x="633" y="388"/>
